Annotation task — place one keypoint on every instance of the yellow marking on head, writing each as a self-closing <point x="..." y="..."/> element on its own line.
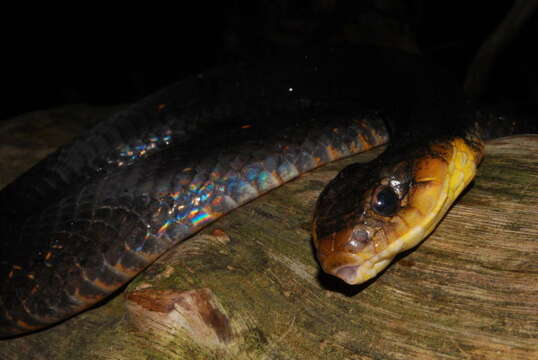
<point x="450" y="176"/>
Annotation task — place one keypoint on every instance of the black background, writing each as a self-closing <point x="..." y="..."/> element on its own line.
<point x="92" y="53"/>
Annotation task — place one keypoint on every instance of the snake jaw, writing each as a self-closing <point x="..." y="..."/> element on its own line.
<point x="348" y="254"/>
<point x="366" y="260"/>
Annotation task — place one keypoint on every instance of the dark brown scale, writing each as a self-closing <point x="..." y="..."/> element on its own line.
<point x="114" y="227"/>
<point x="89" y="218"/>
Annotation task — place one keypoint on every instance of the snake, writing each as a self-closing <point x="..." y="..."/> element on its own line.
<point x="82" y="223"/>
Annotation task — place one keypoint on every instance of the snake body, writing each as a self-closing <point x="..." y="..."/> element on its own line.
<point x="89" y="218"/>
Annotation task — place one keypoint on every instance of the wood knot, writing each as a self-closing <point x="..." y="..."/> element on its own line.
<point x="196" y="312"/>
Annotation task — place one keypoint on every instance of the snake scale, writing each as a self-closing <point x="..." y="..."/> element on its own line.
<point x="90" y="217"/>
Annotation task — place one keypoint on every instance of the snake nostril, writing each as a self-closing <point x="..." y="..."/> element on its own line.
<point x="347" y="273"/>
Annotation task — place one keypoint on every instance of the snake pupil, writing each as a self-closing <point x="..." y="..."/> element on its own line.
<point x="385" y="201"/>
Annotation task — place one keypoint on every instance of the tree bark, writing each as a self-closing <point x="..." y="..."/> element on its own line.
<point x="249" y="287"/>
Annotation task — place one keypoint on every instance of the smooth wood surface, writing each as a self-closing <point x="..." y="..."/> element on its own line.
<point x="249" y="287"/>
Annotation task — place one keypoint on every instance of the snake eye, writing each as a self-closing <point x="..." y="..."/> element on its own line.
<point x="385" y="202"/>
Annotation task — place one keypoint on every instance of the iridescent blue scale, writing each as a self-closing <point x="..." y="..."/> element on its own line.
<point x="138" y="148"/>
<point x="251" y="172"/>
<point x="266" y="181"/>
<point x="201" y="195"/>
<point x="162" y="170"/>
<point x="212" y="193"/>
<point x="287" y="171"/>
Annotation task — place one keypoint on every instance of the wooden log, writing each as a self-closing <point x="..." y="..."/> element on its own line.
<point x="249" y="287"/>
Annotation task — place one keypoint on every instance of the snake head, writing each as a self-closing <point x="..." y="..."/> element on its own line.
<point x="371" y="212"/>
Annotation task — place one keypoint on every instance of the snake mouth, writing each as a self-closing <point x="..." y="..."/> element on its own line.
<point x="347" y="273"/>
<point x="353" y="269"/>
<point x="358" y="274"/>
